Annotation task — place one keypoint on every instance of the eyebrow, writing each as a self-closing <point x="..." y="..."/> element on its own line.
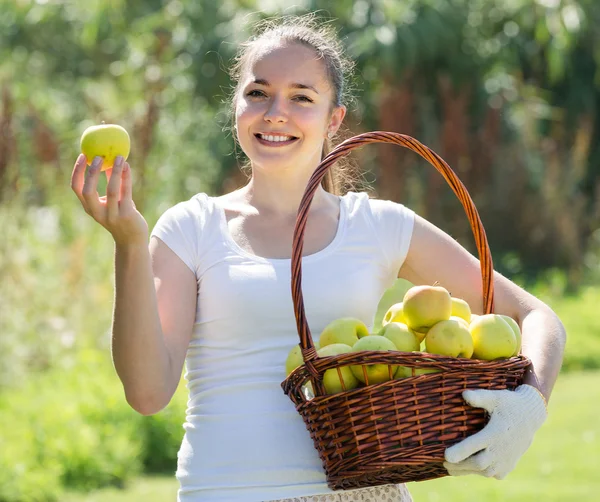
<point x="262" y="81"/>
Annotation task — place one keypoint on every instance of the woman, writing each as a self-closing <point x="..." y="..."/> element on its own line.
<point x="212" y="289"/>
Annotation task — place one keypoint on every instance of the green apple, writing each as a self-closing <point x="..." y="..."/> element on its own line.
<point x="449" y="338"/>
<point x="374" y="373"/>
<point x="344" y="330"/>
<point x="493" y="338"/>
<point x="402" y="336"/>
<point x="295" y="359"/>
<point x="341" y="378"/>
<point x="404" y="339"/>
<point x="392" y="295"/>
<point x="405" y="372"/>
<point x="516" y="330"/>
<point x="460" y="308"/>
<point x="460" y="320"/>
<point x="106" y="141"/>
<point x="424" y="306"/>
<point x="473" y="317"/>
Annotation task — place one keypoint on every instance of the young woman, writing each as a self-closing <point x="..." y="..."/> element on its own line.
<point x="212" y="289"/>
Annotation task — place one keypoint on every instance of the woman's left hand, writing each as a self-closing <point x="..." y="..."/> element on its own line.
<point x="494" y="451"/>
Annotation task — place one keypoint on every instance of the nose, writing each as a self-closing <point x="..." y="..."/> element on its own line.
<point x="276" y="112"/>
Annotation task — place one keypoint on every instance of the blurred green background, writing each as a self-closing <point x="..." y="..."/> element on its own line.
<point x="506" y="91"/>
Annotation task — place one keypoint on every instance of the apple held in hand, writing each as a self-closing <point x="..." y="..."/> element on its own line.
<point x="424" y="306"/>
<point x="341" y="378"/>
<point x="492" y="337"/>
<point x="374" y="373"/>
<point x="449" y="338"/>
<point x="344" y="330"/>
<point x="106" y="141"/>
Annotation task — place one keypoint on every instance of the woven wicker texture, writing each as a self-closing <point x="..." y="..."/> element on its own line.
<point x="396" y="431"/>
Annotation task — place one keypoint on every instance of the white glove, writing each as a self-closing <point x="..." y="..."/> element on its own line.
<point x="494" y="451"/>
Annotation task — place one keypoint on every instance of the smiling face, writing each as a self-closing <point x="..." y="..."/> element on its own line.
<point x="284" y="109"/>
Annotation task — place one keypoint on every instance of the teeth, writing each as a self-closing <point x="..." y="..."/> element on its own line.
<point x="275" y="138"/>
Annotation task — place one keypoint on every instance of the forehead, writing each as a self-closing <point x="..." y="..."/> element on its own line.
<point x="282" y="63"/>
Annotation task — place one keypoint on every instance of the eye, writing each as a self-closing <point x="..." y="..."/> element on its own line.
<point x="255" y="93"/>
<point x="303" y="99"/>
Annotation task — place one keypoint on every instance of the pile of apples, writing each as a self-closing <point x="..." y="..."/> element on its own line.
<point x="427" y="319"/>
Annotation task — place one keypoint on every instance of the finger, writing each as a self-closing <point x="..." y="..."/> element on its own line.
<point x="479" y="462"/>
<point x="78" y="175"/>
<point x="113" y="190"/>
<point x="90" y="187"/>
<point x="457" y="472"/>
<point x="481" y="398"/>
<point x="126" y="185"/>
<point x="467" y="447"/>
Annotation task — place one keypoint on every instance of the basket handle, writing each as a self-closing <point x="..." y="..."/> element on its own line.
<point x="309" y="352"/>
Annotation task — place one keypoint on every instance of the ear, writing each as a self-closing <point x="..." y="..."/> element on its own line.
<point x="335" y="120"/>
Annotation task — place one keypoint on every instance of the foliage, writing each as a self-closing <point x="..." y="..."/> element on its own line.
<point x="73" y="429"/>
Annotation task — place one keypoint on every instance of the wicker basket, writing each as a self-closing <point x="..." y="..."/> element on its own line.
<point x="396" y="431"/>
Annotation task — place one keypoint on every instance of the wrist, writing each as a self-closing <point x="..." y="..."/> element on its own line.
<point x="536" y="399"/>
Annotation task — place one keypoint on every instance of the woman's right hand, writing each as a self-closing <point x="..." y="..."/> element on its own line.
<point x="116" y="210"/>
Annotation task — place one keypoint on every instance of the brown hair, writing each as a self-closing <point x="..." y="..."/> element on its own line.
<point x="322" y="38"/>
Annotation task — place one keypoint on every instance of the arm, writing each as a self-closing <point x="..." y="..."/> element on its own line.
<point x="155" y="292"/>
<point x="435" y="256"/>
<point x="155" y="305"/>
<point x="514" y="416"/>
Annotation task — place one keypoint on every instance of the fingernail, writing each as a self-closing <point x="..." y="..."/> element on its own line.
<point x="118" y="161"/>
<point x="96" y="164"/>
<point x="80" y="159"/>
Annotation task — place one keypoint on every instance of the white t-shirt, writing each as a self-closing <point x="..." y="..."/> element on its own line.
<point x="244" y="440"/>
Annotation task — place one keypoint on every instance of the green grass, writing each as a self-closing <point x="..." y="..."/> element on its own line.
<point x="560" y="465"/>
<point x="579" y="314"/>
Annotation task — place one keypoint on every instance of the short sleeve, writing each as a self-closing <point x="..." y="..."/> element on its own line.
<point x="179" y="228"/>
<point x="393" y="224"/>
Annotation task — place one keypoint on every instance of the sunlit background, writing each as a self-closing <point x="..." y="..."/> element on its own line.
<point x="506" y="91"/>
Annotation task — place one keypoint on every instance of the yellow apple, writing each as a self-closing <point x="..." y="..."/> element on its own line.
<point x="106" y="141"/>
<point x="516" y="330"/>
<point x="341" y="378"/>
<point x="424" y="306"/>
<point x="460" y="308"/>
<point x="420" y="334"/>
<point x="374" y="373"/>
<point x="394" y="314"/>
<point x="449" y="338"/>
<point x="473" y="317"/>
<point x="344" y="330"/>
<point x="492" y="337"/>
<point x="392" y="295"/>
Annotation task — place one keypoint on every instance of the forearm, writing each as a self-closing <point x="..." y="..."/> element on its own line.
<point x="139" y="352"/>
<point x="544" y="340"/>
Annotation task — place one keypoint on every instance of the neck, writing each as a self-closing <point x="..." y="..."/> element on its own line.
<point x="281" y="195"/>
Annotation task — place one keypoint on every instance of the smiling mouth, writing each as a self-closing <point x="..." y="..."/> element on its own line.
<point x="275" y="139"/>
